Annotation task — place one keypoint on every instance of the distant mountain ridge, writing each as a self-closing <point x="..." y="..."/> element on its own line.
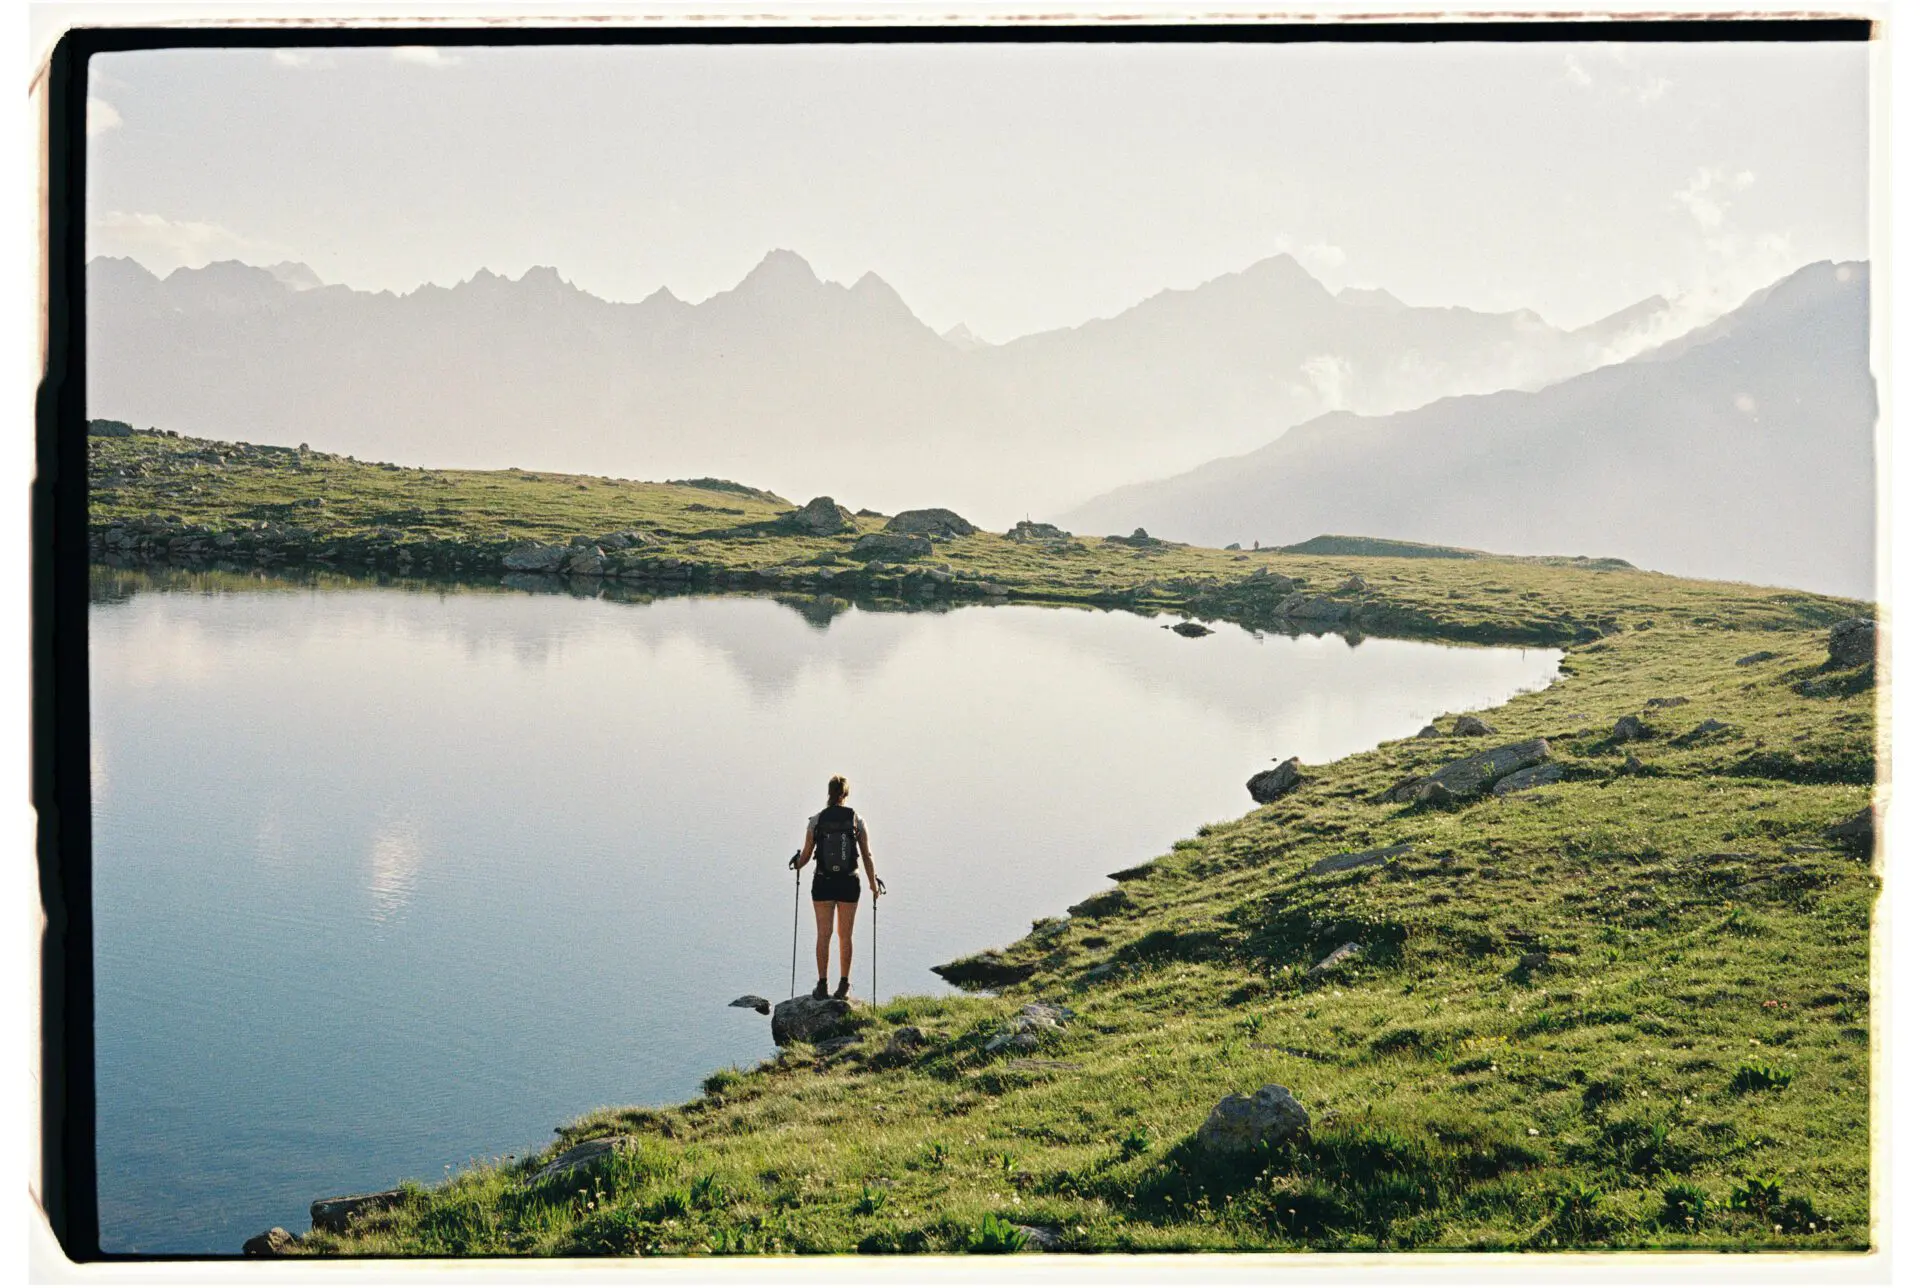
<point x="803" y="385"/>
<point x="1741" y="450"/>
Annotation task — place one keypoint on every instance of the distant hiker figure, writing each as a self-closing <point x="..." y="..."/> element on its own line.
<point x="835" y="837"/>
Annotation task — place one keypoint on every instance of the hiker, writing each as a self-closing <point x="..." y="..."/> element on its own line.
<point x="833" y="837"/>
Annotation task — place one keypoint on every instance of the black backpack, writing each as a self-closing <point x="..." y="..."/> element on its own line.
<point x="834" y="847"/>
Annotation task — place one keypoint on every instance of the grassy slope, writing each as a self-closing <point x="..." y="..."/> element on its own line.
<point x="1697" y="925"/>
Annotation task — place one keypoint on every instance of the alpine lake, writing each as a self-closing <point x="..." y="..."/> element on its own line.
<point x="390" y="876"/>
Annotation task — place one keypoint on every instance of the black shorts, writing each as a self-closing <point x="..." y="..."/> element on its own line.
<point x="836" y="889"/>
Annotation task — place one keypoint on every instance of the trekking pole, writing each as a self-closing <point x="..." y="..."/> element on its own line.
<point x="793" y="972"/>
<point x="879" y="888"/>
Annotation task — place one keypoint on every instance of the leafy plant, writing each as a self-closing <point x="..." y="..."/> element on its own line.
<point x="1753" y="1075"/>
<point x="1683" y="1206"/>
<point x="1759" y="1195"/>
<point x="997" y="1234"/>
<point x="1135" y="1143"/>
<point x="871" y="1200"/>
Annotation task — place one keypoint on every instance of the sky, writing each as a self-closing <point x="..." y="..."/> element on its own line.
<point x="1014" y="188"/>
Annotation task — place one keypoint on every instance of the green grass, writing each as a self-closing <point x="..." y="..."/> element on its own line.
<point x="1688" y="1069"/>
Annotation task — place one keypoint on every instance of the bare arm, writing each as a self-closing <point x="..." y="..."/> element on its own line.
<point x="806" y="848"/>
<point x="866" y="856"/>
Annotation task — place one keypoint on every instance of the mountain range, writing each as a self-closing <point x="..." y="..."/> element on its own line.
<point x="789" y="382"/>
<point x="1741" y="450"/>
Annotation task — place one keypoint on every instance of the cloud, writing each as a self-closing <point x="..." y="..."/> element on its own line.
<point x="1578" y="74"/>
<point x="1709" y="193"/>
<point x="1322" y="257"/>
<point x="1617" y="74"/>
<point x="164" y="244"/>
<point x="1331" y="377"/>
<point x="424" y="56"/>
<point x="101" y="117"/>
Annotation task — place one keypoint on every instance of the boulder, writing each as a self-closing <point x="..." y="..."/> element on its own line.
<point x="1027" y="530"/>
<point x="1632" y="764"/>
<point x="1670" y="702"/>
<point x="1192" y="630"/>
<point x="533" y="557"/>
<point x="753" y="1002"/>
<point x="1762" y="656"/>
<point x="1358" y="859"/>
<point x="1270" y="785"/>
<point x="1356" y="584"/>
<point x="580" y="543"/>
<point x="1041" y="1238"/>
<point x="272" y="1243"/>
<point x="1338" y="957"/>
<point x="1538" y="776"/>
<point x="903" y="1042"/>
<point x="891" y="546"/>
<point x="1435" y="793"/>
<point x="586" y="561"/>
<point x="1026" y="1030"/>
<point x="1471" y="775"/>
<point x="625" y="540"/>
<point x="1851" y="643"/>
<point x="1429" y="731"/>
<point x="931" y="522"/>
<point x="819" y="517"/>
<point x="1705" y="729"/>
<point x="1629" y="729"/>
<point x="1238" y="1123"/>
<point x="332" y="1215"/>
<point x="1470" y="726"/>
<point x="1138" y="539"/>
<point x="585" y="1154"/>
<point x="811" y="1019"/>
<point x="1303" y="607"/>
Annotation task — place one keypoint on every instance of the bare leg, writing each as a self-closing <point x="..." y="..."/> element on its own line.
<point x="846" y="911"/>
<point x="823" y="928"/>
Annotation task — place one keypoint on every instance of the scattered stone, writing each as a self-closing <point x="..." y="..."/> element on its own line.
<point x="1429" y="731"/>
<point x="894" y="546"/>
<point x="1192" y="630"/>
<point x="1041" y="1238"/>
<point x="1470" y="726"/>
<point x="1359" y="859"/>
<point x="1139" y="539"/>
<point x="332" y="1215"/>
<point x="1270" y="785"/>
<point x="533" y="557"/>
<point x="1471" y="775"/>
<point x="942" y="522"/>
<point x="1856" y="831"/>
<point x="273" y="1243"/>
<point x="626" y="540"/>
<point x="585" y="1154"/>
<point x="1300" y="606"/>
<point x="1533" y="961"/>
<point x="1667" y="702"/>
<point x="1355" y="583"/>
<point x="1239" y="1123"/>
<point x="1434" y="793"/>
<point x="1338" y="957"/>
<point x="586" y="561"/>
<point x="753" y="1002"/>
<point x="1851" y="643"/>
<point x="1629" y="729"/>
<point x="903" y="1042"/>
<point x="819" y="517"/>
<point x="1706" y="728"/>
<point x="1025" y="1031"/>
<point x="1537" y="776"/>
<point x="1632" y="764"/>
<point x="1762" y="656"/>
<point x="810" y="1019"/>
<point x="1026" y="530"/>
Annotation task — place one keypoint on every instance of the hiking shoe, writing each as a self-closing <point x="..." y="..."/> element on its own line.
<point x="842" y="990"/>
<point x="820" y="989"/>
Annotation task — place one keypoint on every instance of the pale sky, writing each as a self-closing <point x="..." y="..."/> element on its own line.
<point x="1010" y="187"/>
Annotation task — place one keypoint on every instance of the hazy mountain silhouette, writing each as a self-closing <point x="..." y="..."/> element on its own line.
<point x="1741" y="450"/>
<point x="785" y="381"/>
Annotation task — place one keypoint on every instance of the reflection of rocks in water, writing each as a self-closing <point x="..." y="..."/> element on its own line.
<point x="818" y="610"/>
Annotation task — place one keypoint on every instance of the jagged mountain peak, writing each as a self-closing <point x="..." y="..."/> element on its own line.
<point x="1371" y="297"/>
<point x="295" y="275"/>
<point x="962" y="337"/>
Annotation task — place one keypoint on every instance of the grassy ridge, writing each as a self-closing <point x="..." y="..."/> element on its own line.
<point x="1628" y="1009"/>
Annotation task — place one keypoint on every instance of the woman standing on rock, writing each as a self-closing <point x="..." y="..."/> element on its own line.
<point x="834" y="836"/>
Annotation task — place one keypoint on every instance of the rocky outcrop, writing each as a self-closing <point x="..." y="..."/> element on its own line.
<point x="1192" y="630"/>
<point x="1538" y="776"/>
<point x="811" y="1019"/>
<point x="1629" y="729"/>
<point x="1270" y="785"/>
<point x="533" y="557"/>
<point x="753" y="1002"/>
<point x="891" y="546"/>
<point x="819" y="517"/>
<point x="984" y="970"/>
<point x="1027" y="530"/>
<point x="1031" y="1026"/>
<point x="584" y="1155"/>
<point x="1470" y="727"/>
<point x="271" y="1243"/>
<point x="1358" y="859"/>
<point x="1752" y="658"/>
<point x="1851" y="643"/>
<point x="586" y="561"/>
<point x="1302" y="607"/>
<point x="1469" y="776"/>
<point x="334" y="1214"/>
<point x="1238" y="1123"/>
<point x="1139" y="540"/>
<point x="944" y="523"/>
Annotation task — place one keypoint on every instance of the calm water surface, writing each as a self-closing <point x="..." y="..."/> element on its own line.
<point x="387" y="880"/>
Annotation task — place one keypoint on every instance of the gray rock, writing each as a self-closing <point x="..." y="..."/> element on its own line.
<point x="1041" y="1238"/>
<point x="1358" y="859"/>
<point x="943" y="522"/>
<point x="1270" y="785"/>
<point x="1026" y="1030"/>
<point x="1338" y="957"/>
<point x="1303" y="607"/>
<point x="1238" y="1123"/>
<point x="1533" y="961"/>
<point x="624" y="540"/>
<point x="1629" y="729"/>
<point x="1355" y="583"/>
<point x="272" y="1243"/>
<point x="583" y="1155"/>
<point x="1138" y="539"/>
<point x="1762" y="656"/>
<point x="1471" y="775"/>
<point x="1026" y="530"/>
<point x="753" y="1002"/>
<point x="1470" y="726"/>
<point x="820" y="517"/>
<point x="1705" y="729"/>
<point x="586" y="561"/>
<point x="332" y="1215"/>
<point x="1429" y="731"/>
<point x="1856" y="831"/>
<point x="579" y="543"/>
<point x="1436" y="793"/>
<point x="891" y="546"/>
<point x="1538" y="776"/>
<point x="1632" y="764"/>
<point x="904" y="1041"/>
<point x="532" y="557"/>
<point x="810" y="1019"/>
<point x="1851" y="643"/>
<point x="1192" y="630"/>
<point x="1669" y="702"/>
